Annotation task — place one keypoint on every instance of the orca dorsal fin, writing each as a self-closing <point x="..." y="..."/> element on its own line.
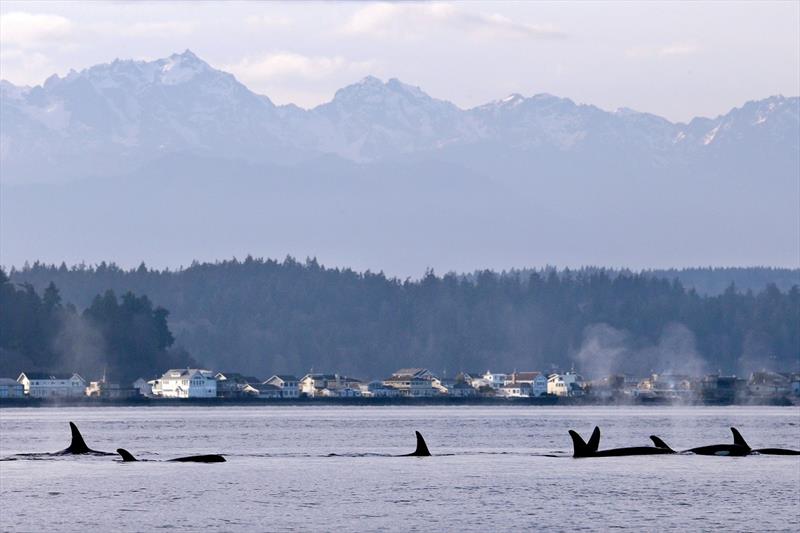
<point x="659" y="443"/>
<point x="738" y="439"/>
<point x="126" y="455"/>
<point x="579" y="446"/>
<point x="78" y="445"/>
<point x="594" y="440"/>
<point x="422" y="448"/>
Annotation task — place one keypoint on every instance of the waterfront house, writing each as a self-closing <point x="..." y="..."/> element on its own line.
<point x="495" y="381"/>
<point x="376" y="389"/>
<point x="288" y="384"/>
<point x="267" y="391"/>
<point x="45" y="385"/>
<point x="453" y="388"/>
<point x="235" y="385"/>
<point x="515" y="390"/>
<point x="556" y="385"/>
<point x="412" y="382"/>
<point x="111" y="391"/>
<point x="769" y="384"/>
<point x="188" y="383"/>
<point x="721" y="389"/>
<point x="536" y="380"/>
<point x="316" y="384"/>
<point x="11" y="388"/>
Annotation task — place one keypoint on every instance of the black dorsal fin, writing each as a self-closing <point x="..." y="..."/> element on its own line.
<point x="594" y="440"/>
<point x="126" y="455"/>
<point x="659" y="443"/>
<point x="422" y="448"/>
<point x="579" y="447"/>
<point x="78" y="445"/>
<point x="738" y="439"/>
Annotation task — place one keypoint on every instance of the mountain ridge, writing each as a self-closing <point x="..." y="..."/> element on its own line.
<point x="126" y="113"/>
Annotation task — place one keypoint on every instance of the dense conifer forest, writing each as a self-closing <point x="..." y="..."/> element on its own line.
<point x="263" y="316"/>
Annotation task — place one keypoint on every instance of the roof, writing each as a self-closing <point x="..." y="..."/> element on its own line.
<point x="266" y="387"/>
<point x="411" y="372"/>
<point x="236" y="377"/>
<point x="283" y="377"/>
<point x="186" y="372"/>
<point x="47" y="375"/>
<point x="524" y="376"/>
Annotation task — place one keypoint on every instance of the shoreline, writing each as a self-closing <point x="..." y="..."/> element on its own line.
<point x="379" y="402"/>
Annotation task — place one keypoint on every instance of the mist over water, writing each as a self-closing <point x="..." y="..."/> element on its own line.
<point x="493" y="468"/>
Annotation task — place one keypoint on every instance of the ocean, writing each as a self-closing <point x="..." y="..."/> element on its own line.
<point x="333" y="468"/>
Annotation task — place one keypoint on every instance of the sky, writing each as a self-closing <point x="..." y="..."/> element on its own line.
<point x="677" y="60"/>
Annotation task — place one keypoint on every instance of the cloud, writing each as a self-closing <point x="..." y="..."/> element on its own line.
<point x="406" y="20"/>
<point x="29" y="30"/>
<point x="288" y="65"/>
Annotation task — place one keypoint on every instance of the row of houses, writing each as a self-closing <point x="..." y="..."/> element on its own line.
<point x="406" y="382"/>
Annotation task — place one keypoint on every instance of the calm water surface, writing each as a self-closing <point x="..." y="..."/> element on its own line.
<point x="495" y="471"/>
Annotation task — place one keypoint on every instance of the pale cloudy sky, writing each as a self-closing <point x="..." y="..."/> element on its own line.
<point x="678" y="60"/>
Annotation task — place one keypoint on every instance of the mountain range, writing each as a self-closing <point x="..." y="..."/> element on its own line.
<point x="384" y="160"/>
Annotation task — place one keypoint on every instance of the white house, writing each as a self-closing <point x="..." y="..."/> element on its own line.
<point x="413" y="382"/>
<point x="287" y="383"/>
<point x="44" y="385"/>
<point x="10" y="388"/>
<point x="515" y="390"/>
<point x="317" y="384"/>
<point x="495" y="381"/>
<point x="566" y="384"/>
<point x="376" y="389"/>
<point x="536" y="380"/>
<point x="188" y="383"/>
<point x="267" y="390"/>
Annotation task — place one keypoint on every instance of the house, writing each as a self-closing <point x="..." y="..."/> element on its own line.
<point x="316" y="384"/>
<point x="106" y="390"/>
<point x="288" y="384"/>
<point x="721" y="389"/>
<point x="267" y="391"/>
<point x="234" y="385"/>
<point x="453" y="388"/>
<point x="376" y="389"/>
<point x="536" y="380"/>
<point x="349" y="392"/>
<point x="515" y="390"/>
<point x="668" y="386"/>
<point x="556" y="385"/>
<point x="44" y="385"/>
<point x="495" y="381"/>
<point x="11" y="388"/>
<point x="188" y="383"/>
<point x="795" y="384"/>
<point x="769" y="384"/>
<point x="412" y="382"/>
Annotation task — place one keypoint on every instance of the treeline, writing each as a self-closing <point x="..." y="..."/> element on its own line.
<point x="124" y="338"/>
<point x="262" y="316"/>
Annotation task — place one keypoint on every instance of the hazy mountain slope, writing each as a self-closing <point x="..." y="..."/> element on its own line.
<point x="185" y="162"/>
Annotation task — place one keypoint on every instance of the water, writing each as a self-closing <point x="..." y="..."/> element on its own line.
<point x="495" y="471"/>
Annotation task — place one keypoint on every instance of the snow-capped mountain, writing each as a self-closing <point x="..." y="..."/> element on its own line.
<point x="114" y="118"/>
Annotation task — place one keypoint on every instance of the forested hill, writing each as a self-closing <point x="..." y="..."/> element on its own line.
<point x="263" y="316"/>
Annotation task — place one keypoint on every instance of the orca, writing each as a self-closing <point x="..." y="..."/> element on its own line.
<point x="128" y="457"/>
<point x="739" y="441"/>
<point x="422" y="448"/>
<point x="583" y="449"/>
<point x="78" y="446"/>
<point x="722" y="450"/>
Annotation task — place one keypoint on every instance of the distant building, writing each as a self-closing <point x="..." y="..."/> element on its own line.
<point x="515" y="390"/>
<point x="536" y="380"/>
<point x="288" y="384"/>
<point x="188" y="383"/>
<point x="111" y="391"/>
<point x="721" y="389"/>
<point x="454" y="388"/>
<point x="556" y="385"/>
<point x="795" y="384"/>
<point x="495" y="381"/>
<point x="11" y="388"/>
<point x="325" y="385"/>
<point x="44" y="385"/>
<point x="769" y="384"/>
<point x="666" y="386"/>
<point x="268" y="391"/>
<point x="234" y="385"/>
<point x="376" y="389"/>
<point x="412" y="382"/>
